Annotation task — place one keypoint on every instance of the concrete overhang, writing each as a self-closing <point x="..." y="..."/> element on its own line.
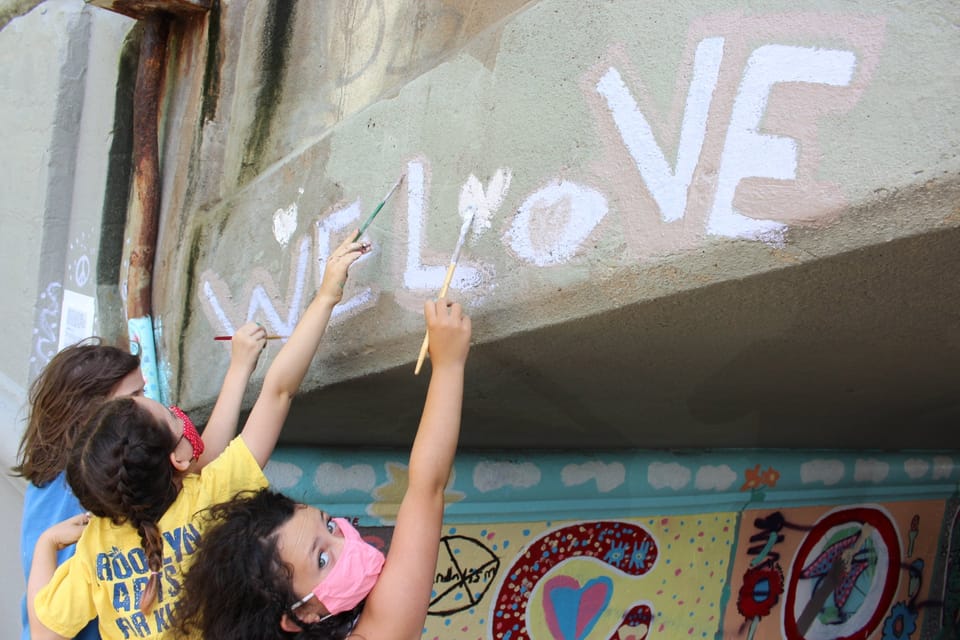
<point x="739" y="230"/>
<point x="857" y="349"/>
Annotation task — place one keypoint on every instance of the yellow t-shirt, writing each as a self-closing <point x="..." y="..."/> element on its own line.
<point x="108" y="573"/>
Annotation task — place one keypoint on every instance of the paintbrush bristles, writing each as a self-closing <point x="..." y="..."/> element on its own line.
<point x="467" y="221"/>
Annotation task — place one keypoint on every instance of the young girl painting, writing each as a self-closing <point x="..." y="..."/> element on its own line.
<point x="131" y="469"/>
<point x="62" y="399"/>
<point x="271" y="568"/>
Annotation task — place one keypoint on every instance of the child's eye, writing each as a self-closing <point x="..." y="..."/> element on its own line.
<point x="323" y="559"/>
<point x="331" y="525"/>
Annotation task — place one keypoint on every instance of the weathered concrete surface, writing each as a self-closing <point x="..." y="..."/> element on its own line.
<point x="58" y="73"/>
<point x="699" y="227"/>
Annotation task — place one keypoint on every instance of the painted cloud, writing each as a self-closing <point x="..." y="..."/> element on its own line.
<point x="608" y="476"/>
<point x="331" y="479"/>
<point x="282" y="475"/>
<point x="664" y="475"/>
<point x="489" y="476"/>
<point x="718" y="478"/>
<point x="824" y="471"/>
<point x="871" y="470"/>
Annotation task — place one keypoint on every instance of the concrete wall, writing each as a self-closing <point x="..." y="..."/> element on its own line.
<point x="58" y="71"/>
<point x="617" y="152"/>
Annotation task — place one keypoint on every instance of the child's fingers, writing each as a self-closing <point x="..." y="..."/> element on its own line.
<point x="348" y="246"/>
<point x="438" y="309"/>
<point x="430" y="311"/>
<point x="252" y="330"/>
<point x="346" y="254"/>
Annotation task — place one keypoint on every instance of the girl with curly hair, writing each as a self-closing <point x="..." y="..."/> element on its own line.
<point x="269" y="568"/>
<point x="131" y="471"/>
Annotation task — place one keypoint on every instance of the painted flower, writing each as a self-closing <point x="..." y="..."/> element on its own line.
<point x="901" y="623"/>
<point x="760" y="592"/>
<point x="770" y="477"/>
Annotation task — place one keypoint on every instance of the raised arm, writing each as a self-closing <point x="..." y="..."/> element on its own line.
<point x="288" y="369"/>
<point x="245" y="350"/>
<point x="397" y="606"/>
<point x="44" y="565"/>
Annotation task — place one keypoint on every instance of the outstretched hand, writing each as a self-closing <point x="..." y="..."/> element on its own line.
<point x="338" y="263"/>
<point x="449" y="330"/>
<point x="247" y="345"/>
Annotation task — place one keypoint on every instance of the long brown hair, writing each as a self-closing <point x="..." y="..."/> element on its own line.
<point x="120" y="469"/>
<point x="62" y="399"/>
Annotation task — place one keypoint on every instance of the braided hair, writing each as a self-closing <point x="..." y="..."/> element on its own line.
<point x="120" y="469"/>
<point x="237" y="586"/>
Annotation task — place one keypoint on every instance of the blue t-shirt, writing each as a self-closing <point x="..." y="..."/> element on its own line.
<point x="44" y="507"/>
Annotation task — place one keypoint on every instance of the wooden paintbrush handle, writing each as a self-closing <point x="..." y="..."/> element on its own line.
<point x="426" y="336"/>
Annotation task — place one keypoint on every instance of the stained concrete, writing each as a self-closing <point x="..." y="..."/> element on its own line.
<point x="860" y="351"/>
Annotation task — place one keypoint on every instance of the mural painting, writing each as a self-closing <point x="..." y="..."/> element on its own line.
<point x="610" y="579"/>
<point x="854" y="571"/>
<point x="646" y="545"/>
<point x="671" y="577"/>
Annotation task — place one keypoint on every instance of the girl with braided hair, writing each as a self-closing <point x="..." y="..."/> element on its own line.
<point x="71" y="386"/>
<point x="131" y="471"/>
<point x="76" y="381"/>
<point x="271" y="569"/>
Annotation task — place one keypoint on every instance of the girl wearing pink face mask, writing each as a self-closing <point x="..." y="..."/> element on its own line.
<point x="269" y="568"/>
<point x="131" y="470"/>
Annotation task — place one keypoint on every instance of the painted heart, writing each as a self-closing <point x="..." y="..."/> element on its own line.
<point x="284" y="224"/>
<point x="571" y="610"/>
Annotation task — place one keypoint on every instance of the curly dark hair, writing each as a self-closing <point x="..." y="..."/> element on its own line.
<point x="237" y="587"/>
<point x="120" y="469"/>
<point x="62" y="399"/>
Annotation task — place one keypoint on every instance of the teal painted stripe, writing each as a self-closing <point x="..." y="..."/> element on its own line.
<point x="538" y="486"/>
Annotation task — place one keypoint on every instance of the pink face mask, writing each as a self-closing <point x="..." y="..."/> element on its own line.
<point x="189" y="432"/>
<point x="352" y="577"/>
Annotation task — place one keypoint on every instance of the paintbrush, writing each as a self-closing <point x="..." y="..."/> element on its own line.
<point x="268" y="337"/>
<point x="467" y="221"/>
<point x="373" y="215"/>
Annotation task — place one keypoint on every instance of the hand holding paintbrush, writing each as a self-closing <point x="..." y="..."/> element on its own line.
<point x="467" y="221"/>
<point x="363" y="227"/>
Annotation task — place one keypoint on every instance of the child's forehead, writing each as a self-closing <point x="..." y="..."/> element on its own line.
<point x="159" y="411"/>
<point x="305" y="520"/>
